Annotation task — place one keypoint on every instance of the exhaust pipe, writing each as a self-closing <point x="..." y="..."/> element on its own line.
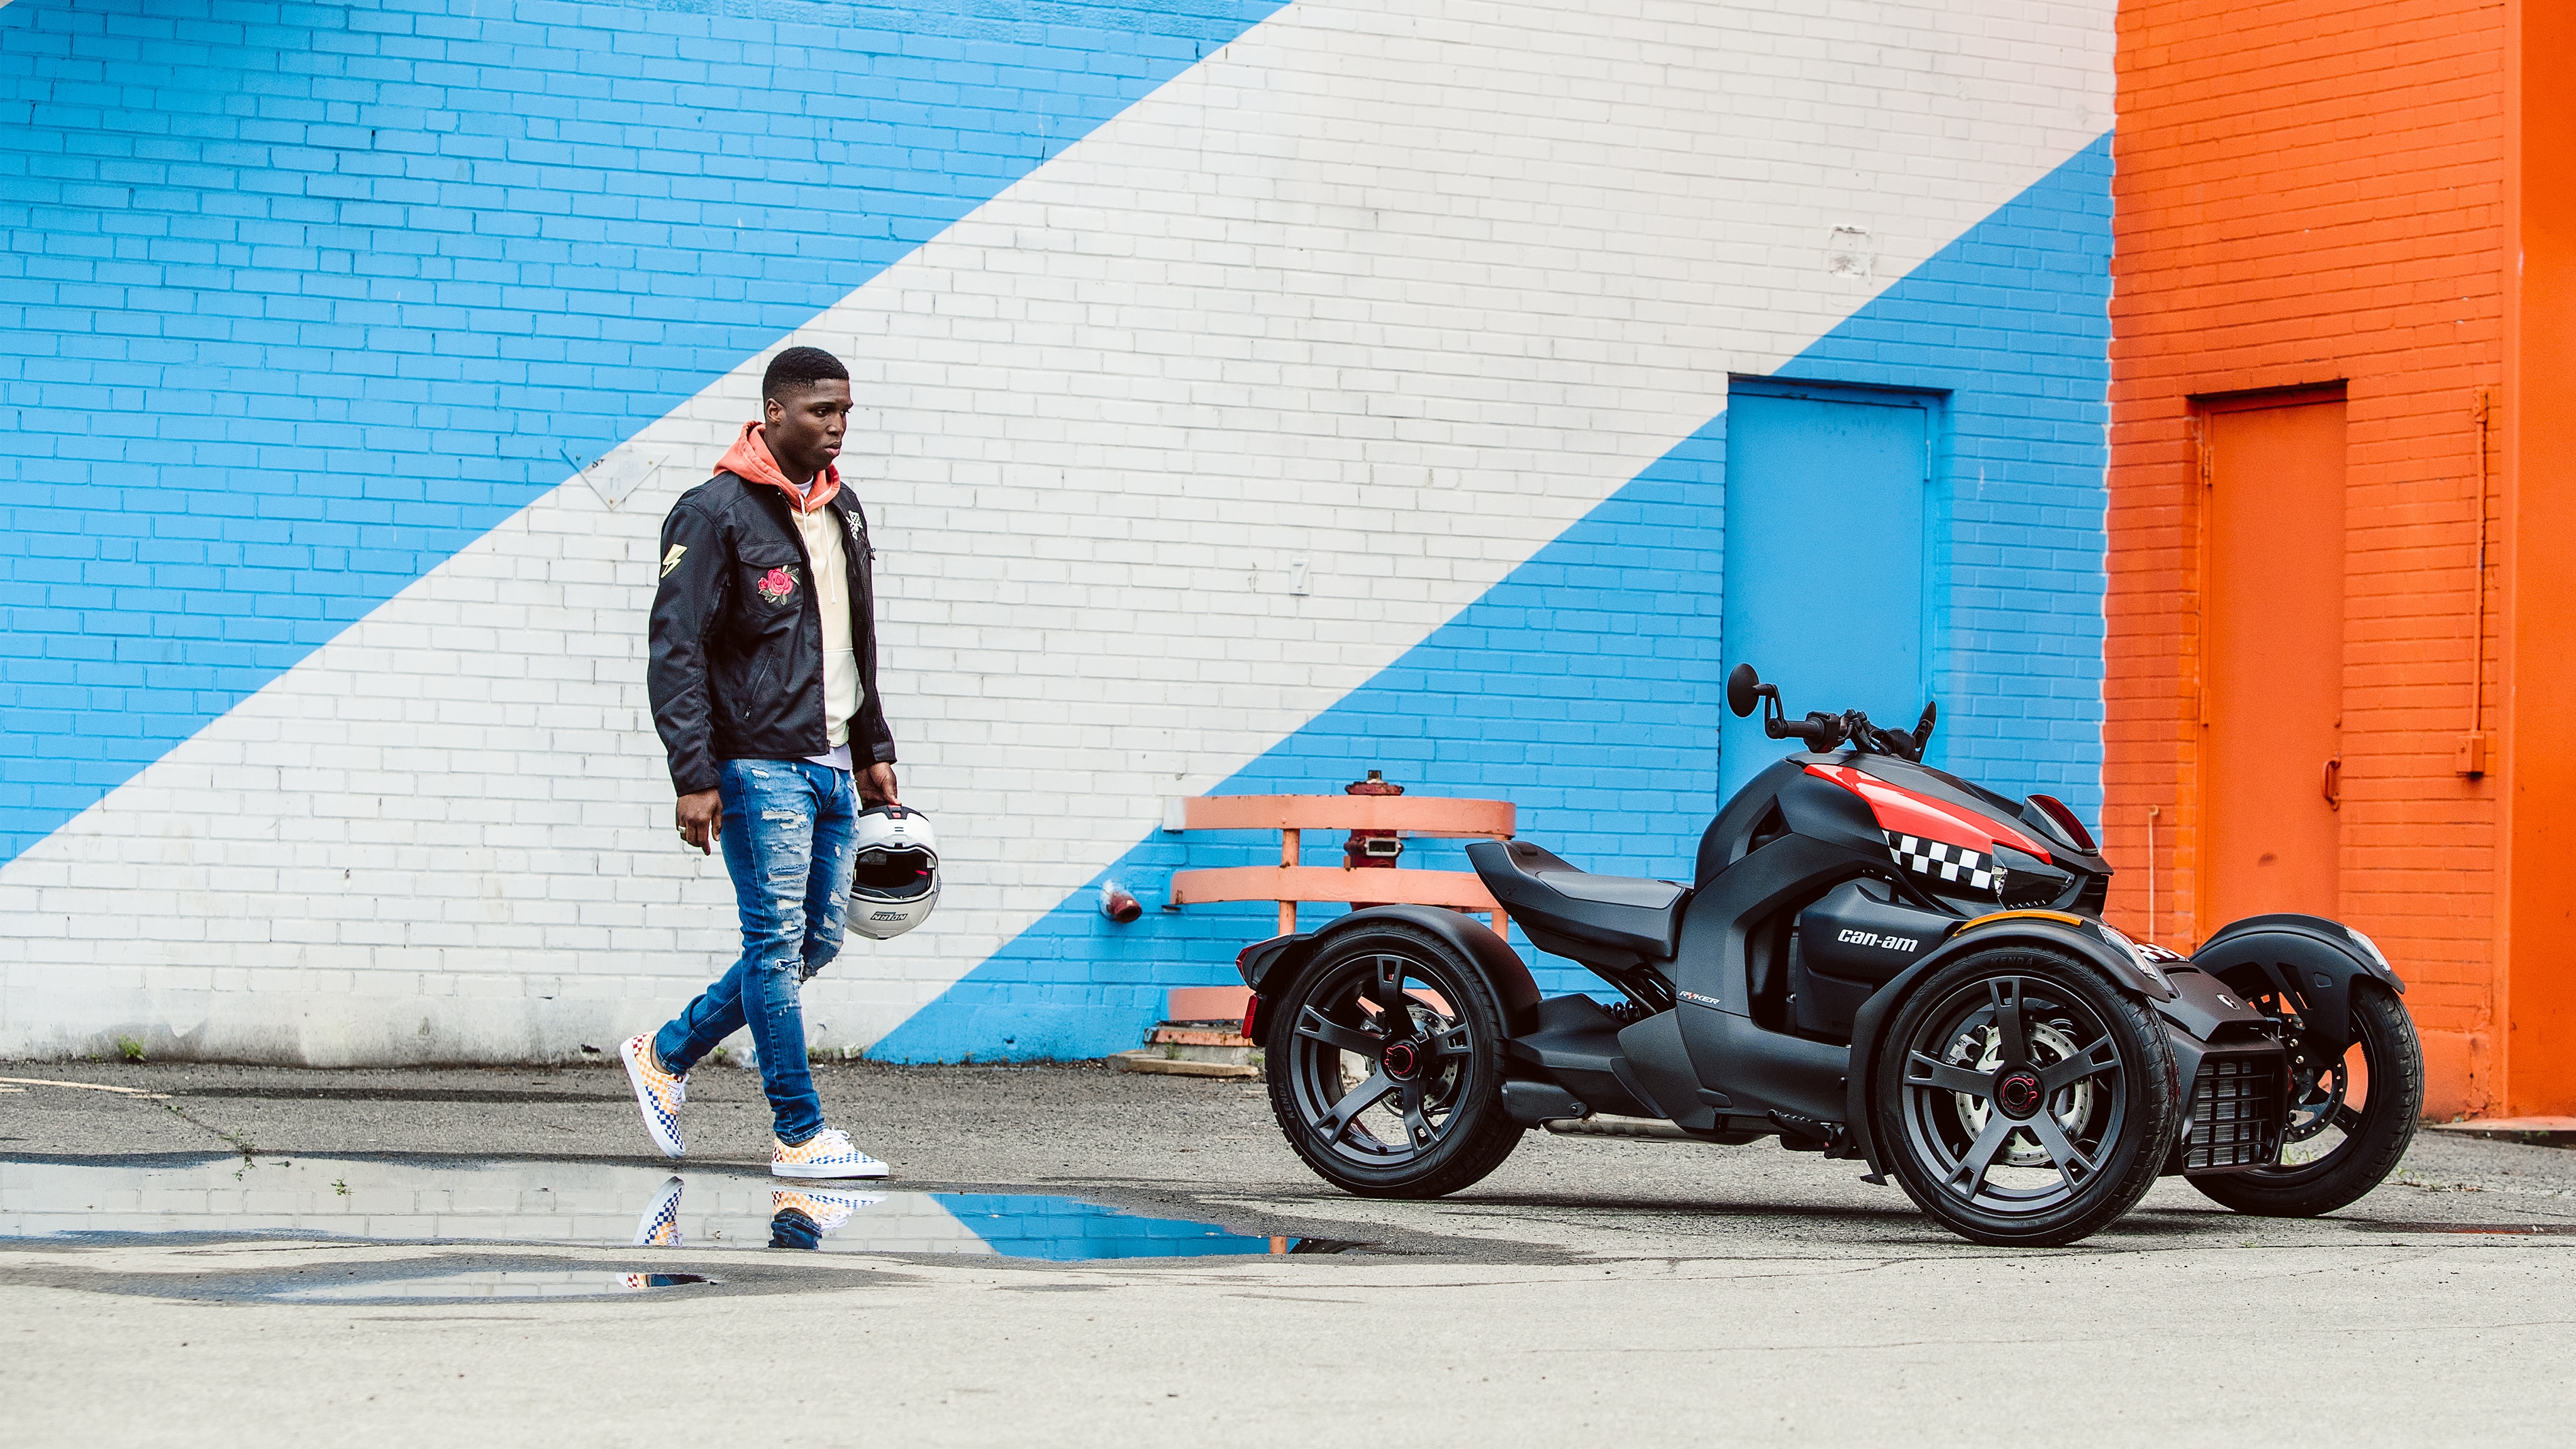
<point x="1602" y="1125"/>
<point x="1647" y="1128"/>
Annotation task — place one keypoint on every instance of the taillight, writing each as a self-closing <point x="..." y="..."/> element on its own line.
<point x="2056" y="809"/>
<point x="1252" y="1020"/>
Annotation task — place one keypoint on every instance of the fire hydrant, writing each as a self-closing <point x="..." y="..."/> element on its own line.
<point x="1372" y="849"/>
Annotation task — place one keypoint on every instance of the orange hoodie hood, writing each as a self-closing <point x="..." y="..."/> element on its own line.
<point x="749" y="460"/>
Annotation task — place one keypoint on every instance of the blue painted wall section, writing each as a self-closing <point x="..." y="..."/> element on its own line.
<point x="298" y="300"/>
<point x="1584" y="687"/>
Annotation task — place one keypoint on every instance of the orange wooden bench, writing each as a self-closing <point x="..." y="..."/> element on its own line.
<point x="1289" y="883"/>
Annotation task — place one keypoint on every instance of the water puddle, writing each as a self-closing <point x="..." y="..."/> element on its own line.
<point x="587" y="1204"/>
<point x="2499" y="1230"/>
<point x="498" y="1283"/>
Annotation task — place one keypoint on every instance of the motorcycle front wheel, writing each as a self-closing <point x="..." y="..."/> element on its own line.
<point x="2022" y="1099"/>
<point x="2352" y="1113"/>
<point x="1385" y="1059"/>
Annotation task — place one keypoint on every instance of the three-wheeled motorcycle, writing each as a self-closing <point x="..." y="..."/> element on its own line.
<point x="1874" y="960"/>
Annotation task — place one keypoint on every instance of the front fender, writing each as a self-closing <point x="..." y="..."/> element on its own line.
<point x="2309" y="958"/>
<point x="1266" y="965"/>
<point x="2084" y="939"/>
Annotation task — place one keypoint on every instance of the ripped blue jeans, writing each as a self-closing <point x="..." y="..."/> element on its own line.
<point x="786" y="840"/>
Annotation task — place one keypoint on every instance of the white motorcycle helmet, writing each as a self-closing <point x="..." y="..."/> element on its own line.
<point x="895" y="882"/>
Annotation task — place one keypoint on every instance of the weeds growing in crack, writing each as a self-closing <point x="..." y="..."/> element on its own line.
<point x="239" y="1141"/>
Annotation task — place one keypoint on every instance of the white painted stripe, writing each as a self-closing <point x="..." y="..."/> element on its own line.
<point x="1398" y="290"/>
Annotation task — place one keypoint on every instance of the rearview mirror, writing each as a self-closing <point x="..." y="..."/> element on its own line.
<point x="1743" y="690"/>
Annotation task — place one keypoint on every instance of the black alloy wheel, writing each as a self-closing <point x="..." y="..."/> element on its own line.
<point x="2352" y="1113"/>
<point x="1385" y="1066"/>
<point x="2023" y="1099"/>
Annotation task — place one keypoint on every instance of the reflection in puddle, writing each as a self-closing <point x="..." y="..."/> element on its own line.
<point x="496" y="1283"/>
<point x="2489" y="1230"/>
<point x="583" y="1203"/>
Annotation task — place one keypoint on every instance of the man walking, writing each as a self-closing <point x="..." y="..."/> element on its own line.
<point x="763" y="679"/>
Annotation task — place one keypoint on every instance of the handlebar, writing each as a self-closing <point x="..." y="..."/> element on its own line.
<point x="1821" y="731"/>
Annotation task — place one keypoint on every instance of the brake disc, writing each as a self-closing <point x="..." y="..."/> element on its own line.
<point x="1981" y="1049"/>
<point x="2315" y="1096"/>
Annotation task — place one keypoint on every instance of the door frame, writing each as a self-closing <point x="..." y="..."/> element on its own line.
<point x="2194" y="791"/>
<point x="1934" y="404"/>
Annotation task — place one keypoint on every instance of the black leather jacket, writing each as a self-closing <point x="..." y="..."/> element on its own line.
<point x="737" y="663"/>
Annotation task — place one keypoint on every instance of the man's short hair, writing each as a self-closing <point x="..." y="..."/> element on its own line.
<point x="799" y="368"/>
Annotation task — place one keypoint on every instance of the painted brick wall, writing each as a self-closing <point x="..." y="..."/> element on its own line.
<point x="2310" y="192"/>
<point x="2539" y="433"/>
<point x="1439" y="298"/>
<point x="301" y="300"/>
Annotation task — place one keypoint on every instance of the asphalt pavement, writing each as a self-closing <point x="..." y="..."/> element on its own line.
<point x="218" y="1255"/>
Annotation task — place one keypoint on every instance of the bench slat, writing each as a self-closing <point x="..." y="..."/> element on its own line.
<point x="1330" y="883"/>
<point x="1412" y="814"/>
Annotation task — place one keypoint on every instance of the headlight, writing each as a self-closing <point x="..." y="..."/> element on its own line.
<point x="2369" y="948"/>
<point x="2147" y="963"/>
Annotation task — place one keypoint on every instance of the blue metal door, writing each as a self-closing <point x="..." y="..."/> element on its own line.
<point x="1825" y="550"/>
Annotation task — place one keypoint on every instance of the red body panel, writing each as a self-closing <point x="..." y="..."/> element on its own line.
<point x="1907" y="813"/>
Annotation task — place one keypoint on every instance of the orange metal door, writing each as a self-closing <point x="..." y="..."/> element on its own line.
<point x="2272" y="700"/>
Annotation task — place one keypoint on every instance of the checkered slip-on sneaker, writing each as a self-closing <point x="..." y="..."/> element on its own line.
<point x="827" y="1209"/>
<point x="827" y="1153"/>
<point x="660" y="1225"/>
<point x="658" y="1094"/>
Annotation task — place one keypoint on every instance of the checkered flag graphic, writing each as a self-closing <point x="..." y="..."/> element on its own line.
<point x="1953" y="864"/>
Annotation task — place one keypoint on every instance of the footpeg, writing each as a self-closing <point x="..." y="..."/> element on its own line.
<point x="1808" y="1134"/>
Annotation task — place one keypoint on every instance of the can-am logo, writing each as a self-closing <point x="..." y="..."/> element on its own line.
<point x="887" y="916"/>
<point x="1884" y="943"/>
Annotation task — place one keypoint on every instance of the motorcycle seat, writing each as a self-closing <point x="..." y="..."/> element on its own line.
<point x="1550" y="897"/>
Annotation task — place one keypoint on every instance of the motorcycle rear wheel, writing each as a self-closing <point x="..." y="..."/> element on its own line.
<point x="2023" y="1100"/>
<point x="2375" y="1135"/>
<point x="1385" y="1059"/>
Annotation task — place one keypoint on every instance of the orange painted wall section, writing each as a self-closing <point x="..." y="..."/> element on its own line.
<point x="2310" y="192"/>
<point x="2539" y="924"/>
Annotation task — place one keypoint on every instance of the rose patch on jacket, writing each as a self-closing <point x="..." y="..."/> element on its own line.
<point x="776" y="585"/>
